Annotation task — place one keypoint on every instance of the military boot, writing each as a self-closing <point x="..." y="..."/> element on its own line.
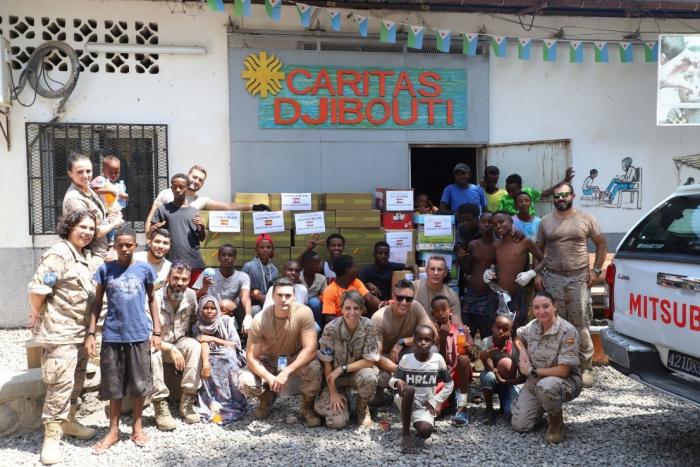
<point x="187" y="408"/>
<point x="587" y="373"/>
<point x="307" y="410"/>
<point x="262" y="411"/>
<point x="555" y="430"/>
<point x="164" y="421"/>
<point x="71" y="426"/>
<point x="362" y="411"/>
<point x="51" y="449"/>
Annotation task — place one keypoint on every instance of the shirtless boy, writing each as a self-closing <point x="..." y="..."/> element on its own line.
<point x="511" y="261"/>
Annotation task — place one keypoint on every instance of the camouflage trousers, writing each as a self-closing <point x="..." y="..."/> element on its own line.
<point x="192" y="353"/>
<point x="539" y="395"/>
<point x="252" y="386"/>
<point x="573" y="300"/>
<point x="63" y="370"/>
<point x="365" y="381"/>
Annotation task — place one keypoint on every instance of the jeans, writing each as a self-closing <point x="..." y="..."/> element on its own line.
<point x="317" y="308"/>
<point x="507" y="393"/>
<point x="616" y="185"/>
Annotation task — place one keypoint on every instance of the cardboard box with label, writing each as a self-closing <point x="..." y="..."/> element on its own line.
<point x="252" y="198"/>
<point x="282" y="255"/>
<point x="248" y="221"/>
<point x="211" y="257"/>
<point x="276" y="201"/>
<point x="362" y="237"/>
<point x="357" y="218"/>
<point x="216" y="239"/>
<point x="280" y="239"/>
<point x="302" y="240"/>
<point x="393" y="199"/>
<point x="347" y="201"/>
<point x="329" y="218"/>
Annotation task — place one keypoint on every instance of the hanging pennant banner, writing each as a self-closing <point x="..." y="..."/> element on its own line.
<point x="362" y="23"/>
<point x="626" y="52"/>
<point x="471" y="40"/>
<point x="274" y="9"/>
<point x="241" y="7"/>
<point x="601" y="52"/>
<point x="336" y="18"/>
<point x="651" y="51"/>
<point x="216" y="5"/>
<point x="304" y="11"/>
<point x="443" y="38"/>
<point x="576" y="52"/>
<point x="387" y="31"/>
<point x="524" y="46"/>
<point x="498" y="44"/>
<point x="415" y="37"/>
<point x="549" y="50"/>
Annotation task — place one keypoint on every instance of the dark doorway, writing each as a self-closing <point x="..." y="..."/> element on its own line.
<point x="431" y="168"/>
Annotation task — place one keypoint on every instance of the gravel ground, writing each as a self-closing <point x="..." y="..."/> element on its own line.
<point x="619" y="422"/>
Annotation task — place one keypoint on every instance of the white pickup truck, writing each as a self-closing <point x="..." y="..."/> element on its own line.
<point x="654" y="298"/>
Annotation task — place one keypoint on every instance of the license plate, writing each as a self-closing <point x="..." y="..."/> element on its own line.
<point x="683" y="363"/>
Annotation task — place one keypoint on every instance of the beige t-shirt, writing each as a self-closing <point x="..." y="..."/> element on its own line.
<point x="565" y="240"/>
<point x="425" y="296"/>
<point x="281" y="336"/>
<point x="392" y="327"/>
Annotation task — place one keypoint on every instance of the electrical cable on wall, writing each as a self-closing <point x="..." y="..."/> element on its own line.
<point x="35" y="72"/>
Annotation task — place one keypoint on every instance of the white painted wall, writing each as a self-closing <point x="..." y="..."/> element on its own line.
<point x="607" y="110"/>
<point x="190" y="95"/>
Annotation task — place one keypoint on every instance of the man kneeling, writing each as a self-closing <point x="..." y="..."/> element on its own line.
<point x="415" y="380"/>
<point x="282" y="342"/>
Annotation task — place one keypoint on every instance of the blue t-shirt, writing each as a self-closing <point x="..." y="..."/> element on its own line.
<point x="455" y="196"/>
<point x="528" y="228"/>
<point x="125" y="287"/>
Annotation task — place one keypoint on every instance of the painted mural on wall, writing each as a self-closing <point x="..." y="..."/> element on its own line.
<point x="623" y="191"/>
<point x="678" y="94"/>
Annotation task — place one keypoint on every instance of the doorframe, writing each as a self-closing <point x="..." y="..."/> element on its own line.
<point x="480" y="155"/>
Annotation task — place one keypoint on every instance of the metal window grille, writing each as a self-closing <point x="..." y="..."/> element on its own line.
<point x="142" y="149"/>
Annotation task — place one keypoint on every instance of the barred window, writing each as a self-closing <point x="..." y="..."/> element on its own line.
<point x="142" y="150"/>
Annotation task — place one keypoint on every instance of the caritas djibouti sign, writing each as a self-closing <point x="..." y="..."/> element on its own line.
<point x="317" y="97"/>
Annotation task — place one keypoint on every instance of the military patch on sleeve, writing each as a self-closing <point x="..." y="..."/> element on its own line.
<point x="50" y="278"/>
<point x="328" y="352"/>
<point x="570" y="341"/>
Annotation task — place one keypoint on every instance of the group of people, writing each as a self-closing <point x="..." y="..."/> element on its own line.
<point x="345" y="337"/>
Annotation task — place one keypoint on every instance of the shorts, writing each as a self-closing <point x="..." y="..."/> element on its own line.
<point x="125" y="370"/>
<point x="419" y="412"/>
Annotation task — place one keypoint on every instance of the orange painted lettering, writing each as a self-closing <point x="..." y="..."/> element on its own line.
<point x="290" y="81"/>
<point x="403" y="83"/>
<point x="370" y="114"/>
<point x="429" y="79"/>
<point x="349" y="106"/>
<point x="296" y="109"/>
<point x="323" y="81"/>
<point x="397" y="115"/>
<point x="322" y="113"/>
<point x="354" y="77"/>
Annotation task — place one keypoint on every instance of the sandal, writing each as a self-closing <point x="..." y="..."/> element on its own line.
<point x="102" y="446"/>
<point x="141" y="440"/>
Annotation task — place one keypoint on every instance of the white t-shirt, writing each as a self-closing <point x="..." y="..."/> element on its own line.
<point x="301" y="295"/>
<point x="161" y="269"/>
<point x="225" y="287"/>
<point x="328" y="272"/>
<point x="166" y="196"/>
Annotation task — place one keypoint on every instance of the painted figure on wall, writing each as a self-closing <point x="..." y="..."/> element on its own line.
<point x="627" y="184"/>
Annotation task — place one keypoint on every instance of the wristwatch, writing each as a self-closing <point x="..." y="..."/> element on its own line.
<point x="345" y="369"/>
<point x="597" y="271"/>
<point x="533" y="372"/>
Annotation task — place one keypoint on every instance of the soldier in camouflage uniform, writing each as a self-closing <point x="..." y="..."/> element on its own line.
<point x="549" y="356"/>
<point x="348" y="350"/>
<point x="61" y="294"/>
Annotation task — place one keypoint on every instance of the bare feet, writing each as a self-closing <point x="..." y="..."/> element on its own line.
<point x="407" y="444"/>
<point x="105" y="443"/>
<point x="140" y="439"/>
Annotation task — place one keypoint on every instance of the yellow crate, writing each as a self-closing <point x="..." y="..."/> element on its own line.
<point x="362" y="237"/>
<point x="216" y="239"/>
<point x="348" y="201"/>
<point x="252" y="198"/>
<point x="369" y="218"/>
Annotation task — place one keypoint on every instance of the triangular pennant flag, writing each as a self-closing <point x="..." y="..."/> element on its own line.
<point x="387" y="31"/>
<point x="443" y="39"/>
<point x="498" y="44"/>
<point x="304" y="11"/>
<point x="362" y="23"/>
<point x="626" y="52"/>
<point x="651" y="51"/>
<point x="274" y="9"/>
<point x="576" y="52"/>
<point x="471" y="40"/>
<point x="415" y="37"/>
<point x="336" y="18"/>
<point x="524" y="46"/>
<point x="241" y="7"/>
<point x="216" y="5"/>
<point x="549" y="50"/>
<point x="601" y="52"/>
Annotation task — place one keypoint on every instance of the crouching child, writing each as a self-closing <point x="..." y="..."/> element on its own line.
<point x="415" y="380"/>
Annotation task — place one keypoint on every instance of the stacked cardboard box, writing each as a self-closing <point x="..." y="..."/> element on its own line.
<point x="357" y="222"/>
<point x="427" y="246"/>
<point x="396" y="206"/>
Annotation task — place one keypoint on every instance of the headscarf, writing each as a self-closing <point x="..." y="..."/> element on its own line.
<point x="214" y="327"/>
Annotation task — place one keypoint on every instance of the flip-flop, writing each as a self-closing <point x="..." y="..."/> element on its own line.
<point x="141" y="441"/>
<point x="102" y="446"/>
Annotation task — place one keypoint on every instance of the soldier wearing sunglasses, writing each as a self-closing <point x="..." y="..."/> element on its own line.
<point x="396" y="324"/>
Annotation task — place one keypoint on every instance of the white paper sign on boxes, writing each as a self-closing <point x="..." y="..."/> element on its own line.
<point x="310" y="222"/>
<point x="225" y="221"/>
<point x="296" y="201"/>
<point x="268" y="222"/>
<point x="400" y="244"/>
